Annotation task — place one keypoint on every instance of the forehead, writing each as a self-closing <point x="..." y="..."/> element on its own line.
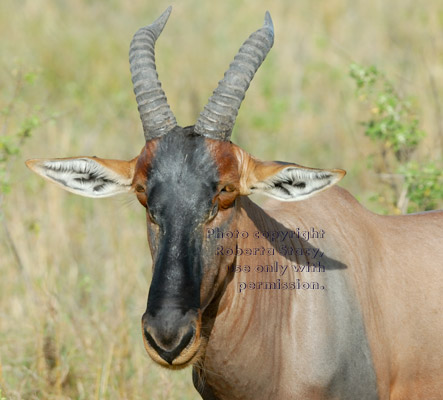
<point x="182" y="160"/>
<point x="181" y="157"/>
<point x="183" y="170"/>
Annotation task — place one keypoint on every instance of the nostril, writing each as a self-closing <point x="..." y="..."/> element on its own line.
<point x="162" y="344"/>
<point x="149" y="338"/>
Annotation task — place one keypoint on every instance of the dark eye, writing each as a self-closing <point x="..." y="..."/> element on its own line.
<point x="228" y="188"/>
<point x="139" y="188"/>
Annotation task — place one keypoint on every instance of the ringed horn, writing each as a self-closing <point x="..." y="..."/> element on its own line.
<point x="157" y="118"/>
<point x="217" y="119"/>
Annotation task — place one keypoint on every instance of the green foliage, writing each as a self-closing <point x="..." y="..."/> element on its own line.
<point x="392" y="121"/>
<point x="424" y="185"/>
<point x="1" y="395"/>
<point x="394" y="126"/>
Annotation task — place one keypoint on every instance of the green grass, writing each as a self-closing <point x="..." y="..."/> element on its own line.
<point x="72" y="301"/>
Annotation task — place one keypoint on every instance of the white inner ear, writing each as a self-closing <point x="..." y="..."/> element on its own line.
<point x="83" y="176"/>
<point x="293" y="183"/>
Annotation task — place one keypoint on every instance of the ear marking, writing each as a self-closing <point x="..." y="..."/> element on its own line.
<point x="294" y="182"/>
<point x="86" y="176"/>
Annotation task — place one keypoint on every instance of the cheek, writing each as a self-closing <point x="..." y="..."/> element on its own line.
<point x="218" y="253"/>
<point x="220" y="233"/>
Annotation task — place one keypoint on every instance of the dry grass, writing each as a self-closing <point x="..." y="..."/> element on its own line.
<point x="71" y="306"/>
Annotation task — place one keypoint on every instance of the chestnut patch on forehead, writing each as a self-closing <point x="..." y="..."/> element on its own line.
<point x="144" y="162"/>
<point x="226" y="162"/>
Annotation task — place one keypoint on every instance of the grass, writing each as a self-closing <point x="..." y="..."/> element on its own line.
<point x="71" y="303"/>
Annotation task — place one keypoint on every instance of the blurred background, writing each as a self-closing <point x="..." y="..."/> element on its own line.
<point x="355" y="85"/>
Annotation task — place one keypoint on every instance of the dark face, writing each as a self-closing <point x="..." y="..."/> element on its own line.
<point x="186" y="190"/>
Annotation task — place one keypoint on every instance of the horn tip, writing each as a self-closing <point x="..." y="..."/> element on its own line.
<point x="163" y="18"/>
<point x="168" y="10"/>
<point x="268" y="22"/>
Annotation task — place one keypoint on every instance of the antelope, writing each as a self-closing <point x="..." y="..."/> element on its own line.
<point x="310" y="297"/>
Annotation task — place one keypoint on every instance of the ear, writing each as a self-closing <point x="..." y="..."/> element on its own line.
<point x="285" y="181"/>
<point x="87" y="176"/>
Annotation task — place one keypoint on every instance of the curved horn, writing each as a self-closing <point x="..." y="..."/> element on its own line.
<point x="157" y="118"/>
<point x="218" y="117"/>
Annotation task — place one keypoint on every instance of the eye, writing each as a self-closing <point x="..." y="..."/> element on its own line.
<point x="140" y="192"/>
<point x="139" y="188"/>
<point x="228" y="189"/>
<point x="227" y="195"/>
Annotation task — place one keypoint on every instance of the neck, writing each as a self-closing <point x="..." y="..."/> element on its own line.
<point x="287" y="288"/>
